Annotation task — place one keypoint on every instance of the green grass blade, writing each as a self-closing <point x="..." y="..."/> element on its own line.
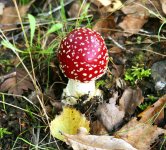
<point x="32" y="22"/>
<point x="54" y="28"/>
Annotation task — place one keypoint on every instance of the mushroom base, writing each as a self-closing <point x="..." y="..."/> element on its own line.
<point x="76" y="89"/>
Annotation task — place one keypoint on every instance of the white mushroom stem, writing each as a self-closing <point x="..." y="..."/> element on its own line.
<point x="76" y="89"/>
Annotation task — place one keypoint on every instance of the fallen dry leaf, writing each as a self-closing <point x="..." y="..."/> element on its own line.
<point x="17" y="84"/>
<point x="139" y="135"/>
<point x="76" y="9"/>
<point x="108" y="5"/>
<point x="69" y="121"/>
<point x="9" y="18"/>
<point x="137" y="12"/>
<point x="110" y="114"/>
<point x="97" y="128"/>
<point x="155" y="112"/>
<point x="83" y="141"/>
<point x="132" y="24"/>
<point x="131" y="98"/>
<point x="105" y="25"/>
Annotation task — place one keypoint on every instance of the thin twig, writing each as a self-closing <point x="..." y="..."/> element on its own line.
<point x="116" y="43"/>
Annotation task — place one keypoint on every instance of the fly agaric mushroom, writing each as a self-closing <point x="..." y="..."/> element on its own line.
<point x="83" y="58"/>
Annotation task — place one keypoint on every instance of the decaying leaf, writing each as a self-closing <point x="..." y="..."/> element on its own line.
<point x="155" y="112"/>
<point x="9" y="17"/>
<point x="104" y="25"/>
<point x="110" y="114"/>
<point x="137" y="12"/>
<point x="98" y="128"/>
<point x="83" y="141"/>
<point x="108" y="5"/>
<point x="130" y="99"/>
<point x="140" y="135"/>
<point x="132" y="24"/>
<point x="76" y="9"/>
<point x="69" y="121"/>
<point x="18" y="83"/>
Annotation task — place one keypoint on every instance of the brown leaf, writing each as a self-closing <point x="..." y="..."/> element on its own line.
<point x="97" y="128"/>
<point x="17" y="84"/>
<point x="9" y="17"/>
<point x="104" y="25"/>
<point x="82" y="141"/>
<point x="132" y="24"/>
<point x="110" y="114"/>
<point x="76" y="9"/>
<point x="108" y="5"/>
<point x="139" y="134"/>
<point x="155" y="112"/>
<point x="130" y="99"/>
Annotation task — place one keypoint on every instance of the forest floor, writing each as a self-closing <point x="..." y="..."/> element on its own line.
<point x="133" y="107"/>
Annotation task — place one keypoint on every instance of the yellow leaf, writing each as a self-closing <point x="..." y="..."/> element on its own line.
<point x="69" y="121"/>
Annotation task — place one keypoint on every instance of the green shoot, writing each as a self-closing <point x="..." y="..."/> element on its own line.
<point x="54" y="28"/>
<point x="4" y="131"/>
<point x="32" y="22"/>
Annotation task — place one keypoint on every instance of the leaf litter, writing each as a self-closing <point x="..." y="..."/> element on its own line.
<point x="122" y="106"/>
<point x="17" y="84"/>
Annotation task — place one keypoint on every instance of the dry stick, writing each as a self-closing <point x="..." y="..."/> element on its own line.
<point x="10" y="75"/>
<point x="116" y="43"/>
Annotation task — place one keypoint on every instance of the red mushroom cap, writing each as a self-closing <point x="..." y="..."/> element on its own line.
<point x="83" y="55"/>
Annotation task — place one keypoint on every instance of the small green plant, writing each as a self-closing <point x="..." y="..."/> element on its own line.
<point x="136" y="73"/>
<point x="3" y="131"/>
<point x="149" y="101"/>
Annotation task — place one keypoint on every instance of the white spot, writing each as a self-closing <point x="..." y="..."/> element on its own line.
<point x="68" y="56"/>
<point x="99" y="56"/>
<point x="82" y="44"/>
<point x="83" y="54"/>
<point x="90" y="68"/>
<point x="89" y="58"/>
<point x="84" y="74"/>
<point x="96" y="72"/>
<point x="68" y="46"/>
<point x="98" y="49"/>
<point x="77" y="57"/>
<point x="71" y="40"/>
<point x="64" y="51"/>
<point x="90" y="75"/>
<point x="81" y="69"/>
<point x="80" y="37"/>
<point x="85" y="49"/>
